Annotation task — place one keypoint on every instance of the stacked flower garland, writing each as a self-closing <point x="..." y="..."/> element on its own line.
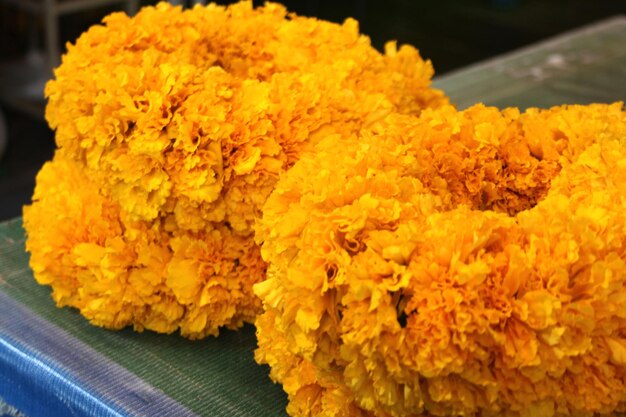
<point x="409" y="259"/>
<point x="172" y="129"/>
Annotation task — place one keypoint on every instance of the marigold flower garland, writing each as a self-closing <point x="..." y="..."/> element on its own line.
<point x="421" y="262"/>
<point x="457" y="263"/>
<point x="172" y="128"/>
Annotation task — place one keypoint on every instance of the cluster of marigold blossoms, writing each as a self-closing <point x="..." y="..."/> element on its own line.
<point x="457" y="263"/>
<point x="172" y="128"/>
<point x="401" y="258"/>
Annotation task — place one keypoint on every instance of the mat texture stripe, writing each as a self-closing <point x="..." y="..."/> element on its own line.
<point x="35" y="362"/>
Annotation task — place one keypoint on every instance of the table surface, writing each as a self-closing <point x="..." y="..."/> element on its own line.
<point x="71" y="368"/>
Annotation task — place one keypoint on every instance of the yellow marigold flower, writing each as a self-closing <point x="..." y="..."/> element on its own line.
<point x="119" y="272"/>
<point x="198" y="111"/>
<point x="456" y="263"/>
<point x="177" y="124"/>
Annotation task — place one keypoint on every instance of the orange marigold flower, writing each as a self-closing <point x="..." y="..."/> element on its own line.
<point x="456" y="263"/>
<point x="180" y="123"/>
<point x="118" y="271"/>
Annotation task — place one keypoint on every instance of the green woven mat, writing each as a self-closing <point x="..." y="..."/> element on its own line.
<point x="586" y="66"/>
<point x="581" y="67"/>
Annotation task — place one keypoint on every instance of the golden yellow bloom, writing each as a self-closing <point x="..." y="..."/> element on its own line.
<point x="119" y="272"/>
<point x="456" y="263"/>
<point x="177" y="125"/>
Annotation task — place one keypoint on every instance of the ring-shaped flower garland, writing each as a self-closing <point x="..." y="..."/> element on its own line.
<point x="457" y="263"/>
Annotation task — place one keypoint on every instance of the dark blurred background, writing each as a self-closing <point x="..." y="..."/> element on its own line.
<point x="452" y="33"/>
